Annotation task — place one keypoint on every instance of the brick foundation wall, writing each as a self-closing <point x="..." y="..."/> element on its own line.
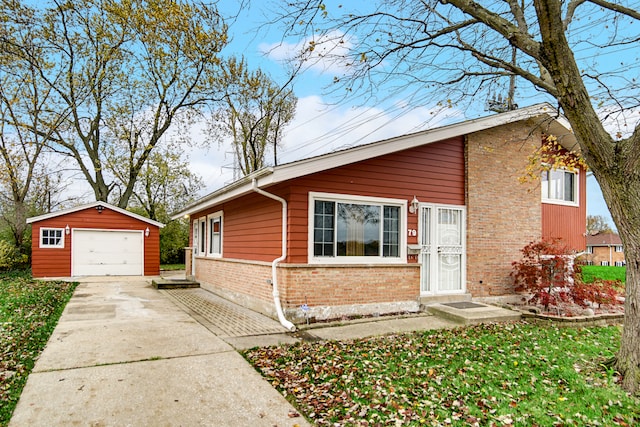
<point x="345" y="285"/>
<point x="236" y="277"/>
<point x="503" y="215"/>
<point x="329" y="291"/>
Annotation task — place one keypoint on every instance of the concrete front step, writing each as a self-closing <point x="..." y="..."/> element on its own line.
<point x="174" y="283"/>
<point x="442" y="299"/>
<point x="469" y="313"/>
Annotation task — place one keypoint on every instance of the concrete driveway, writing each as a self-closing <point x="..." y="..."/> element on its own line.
<point x="123" y="354"/>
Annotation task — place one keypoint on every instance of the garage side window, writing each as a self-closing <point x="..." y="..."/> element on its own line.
<point x="52" y="238"/>
<point x="215" y="234"/>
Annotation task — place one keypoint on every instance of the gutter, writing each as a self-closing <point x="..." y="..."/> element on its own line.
<point x="274" y="276"/>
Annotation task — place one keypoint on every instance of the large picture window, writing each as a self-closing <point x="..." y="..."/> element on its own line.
<point x="559" y="186"/>
<point x="352" y="230"/>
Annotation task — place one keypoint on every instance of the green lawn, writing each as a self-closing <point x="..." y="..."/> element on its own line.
<point x="591" y="272"/>
<point x="488" y="375"/>
<point x="171" y="267"/>
<point x="29" y="311"/>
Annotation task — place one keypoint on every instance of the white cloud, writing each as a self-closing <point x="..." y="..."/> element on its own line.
<point x="327" y="54"/>
<point x="620" y="124"/>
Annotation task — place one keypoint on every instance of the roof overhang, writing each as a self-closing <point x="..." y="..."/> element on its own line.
<point x="545" y="117"/>
<point x="90" y="206"/>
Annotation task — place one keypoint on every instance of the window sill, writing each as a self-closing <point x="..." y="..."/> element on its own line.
<point x="560" y="202"/>
<point x="357" y="261"/>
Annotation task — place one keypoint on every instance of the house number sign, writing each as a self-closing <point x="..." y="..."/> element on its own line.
<point x="412" y="232"/>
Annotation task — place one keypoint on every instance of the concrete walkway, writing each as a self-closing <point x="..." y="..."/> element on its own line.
<point x="123" y="354"/>
<point x="127" y="354"/>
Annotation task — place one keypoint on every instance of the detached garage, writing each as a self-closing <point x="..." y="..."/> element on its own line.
<point x="97" y="239"/>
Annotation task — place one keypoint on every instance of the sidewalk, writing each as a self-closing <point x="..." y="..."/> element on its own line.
<point x="123" y="354"/>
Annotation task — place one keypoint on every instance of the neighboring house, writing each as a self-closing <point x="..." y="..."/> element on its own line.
<point x="96" y="239"/>
<point x="386" y="227"/>
<point x="605" y="248"/>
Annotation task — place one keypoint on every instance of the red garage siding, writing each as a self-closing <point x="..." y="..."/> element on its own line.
<point x="56" y="262"/>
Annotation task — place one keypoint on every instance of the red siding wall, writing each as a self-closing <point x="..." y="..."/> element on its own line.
<point x="568" y="223"/>
<point x="251" y="228"/>
<point x="53" y="262"/>
<point x="433" y="173"/>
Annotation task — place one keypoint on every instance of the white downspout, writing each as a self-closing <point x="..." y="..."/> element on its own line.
<point x="274" y="276"/>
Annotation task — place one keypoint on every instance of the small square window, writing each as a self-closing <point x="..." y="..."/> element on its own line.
<point x="52" y="238"/>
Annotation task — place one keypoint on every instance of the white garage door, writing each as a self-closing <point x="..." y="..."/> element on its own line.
<point x="107" y="253"/>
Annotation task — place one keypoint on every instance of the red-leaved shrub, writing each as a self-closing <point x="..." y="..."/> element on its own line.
<point x="547" y="275"/>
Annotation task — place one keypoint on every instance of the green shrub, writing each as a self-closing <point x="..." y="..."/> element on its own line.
<point x="10" y="257"/>
<point x="173" y="239"/>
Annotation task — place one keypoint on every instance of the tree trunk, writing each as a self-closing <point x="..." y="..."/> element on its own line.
<point x="621" y="192"/>
<point x="614" y="164"/>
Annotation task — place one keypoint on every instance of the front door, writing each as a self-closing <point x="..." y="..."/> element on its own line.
<point x="443" y="253"/>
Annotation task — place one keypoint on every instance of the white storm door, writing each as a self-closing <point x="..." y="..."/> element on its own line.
<point x="443" y="256"/>
<point x="107" y="253"/>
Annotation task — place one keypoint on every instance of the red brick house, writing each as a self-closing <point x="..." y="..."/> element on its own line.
<point x="388" y="226"/>
<point x="94" y="240"/>
<point x="605" y="248"/>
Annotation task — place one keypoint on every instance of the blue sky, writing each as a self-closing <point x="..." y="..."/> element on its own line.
<point x="324" y="123"/>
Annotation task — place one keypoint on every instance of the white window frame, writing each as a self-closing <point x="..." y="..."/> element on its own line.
<point x="604" y="263"/>
<point x="59" y="245"/>
<point x="576" y="188"/>
<point x="620" y="263"/>
<point x="347" y="198"/>
<point x="212" y="217"/>
<point x="200" y="236"/>
<point x="589" y="249"/>
<point x="619" y="248"/>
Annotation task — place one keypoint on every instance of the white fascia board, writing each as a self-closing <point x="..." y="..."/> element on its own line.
<point x="94" y="205"/>
<point x="335" y="159"/>
<point x="400" y="143"/>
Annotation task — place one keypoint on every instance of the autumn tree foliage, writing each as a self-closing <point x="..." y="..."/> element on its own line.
<point x="117" y="75"/>
<point x="598" y="224"/>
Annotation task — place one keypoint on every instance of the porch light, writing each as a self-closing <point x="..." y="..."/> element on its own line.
<point x="99" y="208"/>
<point x="146" y="232"/>
<point x="413" y="207"/>
<point x="67" y="230"/>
